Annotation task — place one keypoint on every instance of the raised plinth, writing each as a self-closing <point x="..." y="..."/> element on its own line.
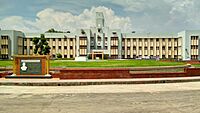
<point x="28" y="76"/>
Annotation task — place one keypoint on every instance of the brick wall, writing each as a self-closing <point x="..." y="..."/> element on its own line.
<point x="92" y="73"/>
<point x="192" y="71"/>
<point x="158" y="75"/>
<point x="110" y="73"/>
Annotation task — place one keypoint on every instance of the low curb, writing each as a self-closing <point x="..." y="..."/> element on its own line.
<point x="82" y="82"/>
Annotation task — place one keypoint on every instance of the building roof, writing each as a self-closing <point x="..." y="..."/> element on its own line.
<point x="51" y="35"/>
<point x="149" y="35"/>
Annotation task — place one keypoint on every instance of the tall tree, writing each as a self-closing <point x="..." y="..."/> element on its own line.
<point x="41" y="45"/>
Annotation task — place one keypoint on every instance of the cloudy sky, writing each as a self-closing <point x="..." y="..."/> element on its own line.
<point x="128" y="15"/>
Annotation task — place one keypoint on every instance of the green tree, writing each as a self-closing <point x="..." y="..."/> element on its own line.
<point x="41" y="45"/>
<point x="59" y="55"/>
<point x="82" y="31"/>
<point x="52" y="30"/>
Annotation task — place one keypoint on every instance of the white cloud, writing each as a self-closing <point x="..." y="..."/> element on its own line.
<point x="185" y="12"/>
<point x="137" y="5"/>
<point x="162" y="15"/>
<point x="17" y="23"/>
<point x="50" y="18"/>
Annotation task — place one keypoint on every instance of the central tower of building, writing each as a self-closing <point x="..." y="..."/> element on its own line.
<point x="99" y="20"/>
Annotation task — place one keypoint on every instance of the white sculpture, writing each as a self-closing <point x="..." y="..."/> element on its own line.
<point x="24" y="67"/>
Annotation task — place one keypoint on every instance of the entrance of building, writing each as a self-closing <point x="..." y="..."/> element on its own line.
<point x="97" y="55"/>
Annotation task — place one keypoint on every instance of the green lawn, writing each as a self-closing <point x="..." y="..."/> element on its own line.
<point x="6" y="63"/>
<point x="113" y="63"/>
<point x="106" y="63"/>
<point x="196" y="65"/>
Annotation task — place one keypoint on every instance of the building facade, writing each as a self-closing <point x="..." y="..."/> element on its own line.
<point x="101" y="40"/>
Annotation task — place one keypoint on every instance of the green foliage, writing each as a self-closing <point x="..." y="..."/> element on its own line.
<point x="41" y="45"/>
<point x="52" y="30"/>
<point x="82" y="31"/>
<point x="59" y="55"/>
<point x="106" y="56"/>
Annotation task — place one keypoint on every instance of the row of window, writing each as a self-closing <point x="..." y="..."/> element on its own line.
<point x="4" y="46"/>
<point x="54" y="39"/>
<point x="4" y="56"/>
<point x="65" y="56"/>
<point x="194" y="57"/>
<point x="151" y="48"/>
<point x="53" y="47"/>
<point x="194" y="37"/>
<point x="4" y="37"/>
<point x="151" y="56"/>
<point x="151" y="39"/>
<point x="194" y="46"/>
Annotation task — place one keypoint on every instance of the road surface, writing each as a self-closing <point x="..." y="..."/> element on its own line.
<point x="137" y="98"/>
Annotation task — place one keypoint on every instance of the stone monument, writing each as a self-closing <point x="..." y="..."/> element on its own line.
<point x="32" y="66"/>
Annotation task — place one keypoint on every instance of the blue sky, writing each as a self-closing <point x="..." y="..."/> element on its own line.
<point x="128" y="15"/>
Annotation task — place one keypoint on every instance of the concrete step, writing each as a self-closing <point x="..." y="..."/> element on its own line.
<point x="28" y="76"/>
<point x="80" y="82"/>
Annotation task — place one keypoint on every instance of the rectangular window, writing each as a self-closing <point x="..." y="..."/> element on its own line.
<point x="163" y="47"/>
<point x="106" y="39"/>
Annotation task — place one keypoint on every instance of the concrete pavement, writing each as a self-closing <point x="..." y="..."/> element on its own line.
<point x="80" y="82"/>
<point x="122" y="88"/>
<point x="125" y="98"/>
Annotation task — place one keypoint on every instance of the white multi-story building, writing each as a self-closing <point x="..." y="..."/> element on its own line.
<point x="102" y="41"/>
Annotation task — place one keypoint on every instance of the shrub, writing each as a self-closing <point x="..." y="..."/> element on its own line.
<point x="59" y="55"/>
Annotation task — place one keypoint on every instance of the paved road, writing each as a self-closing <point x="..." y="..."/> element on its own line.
<point x="140" y="98"/>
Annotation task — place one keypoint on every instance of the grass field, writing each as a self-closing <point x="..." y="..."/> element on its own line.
<point x="6" y="63"/>
<point x="196" y="65"/>
<point x="106" y="63"/>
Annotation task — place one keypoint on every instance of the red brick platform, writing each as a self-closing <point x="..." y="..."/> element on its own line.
<point x="115" y="73"/>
